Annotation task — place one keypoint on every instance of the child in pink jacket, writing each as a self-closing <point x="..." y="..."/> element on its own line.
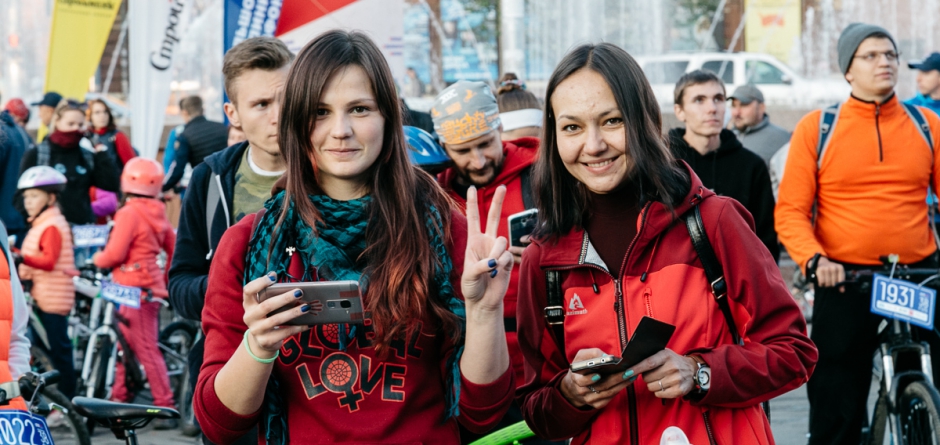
<point x="140" y="231"/>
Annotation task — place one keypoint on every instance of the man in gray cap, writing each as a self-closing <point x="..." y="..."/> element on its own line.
<point x="466" y="117"/>
<point x="856" y="180"/>
<point x="751" y="124"/>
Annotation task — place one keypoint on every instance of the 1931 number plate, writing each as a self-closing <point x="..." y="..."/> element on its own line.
<point x="903" y="301"/>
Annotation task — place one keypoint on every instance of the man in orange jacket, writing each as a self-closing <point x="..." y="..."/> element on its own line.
<point x="868" y="177"/>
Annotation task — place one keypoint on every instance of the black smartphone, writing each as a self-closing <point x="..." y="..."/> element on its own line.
<point x="650" y="337"/>
<point x="332" y="301"/>
<point x="522" y="224"/>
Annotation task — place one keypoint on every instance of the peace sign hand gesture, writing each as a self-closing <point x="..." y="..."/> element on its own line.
<point x="487" y="263"/>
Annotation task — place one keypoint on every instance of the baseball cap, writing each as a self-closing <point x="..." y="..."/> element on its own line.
<point x="465" y="111"/>
<point x="51" y="99"/>
<point x="747" y="93"/>
<point x="932" y="62"/>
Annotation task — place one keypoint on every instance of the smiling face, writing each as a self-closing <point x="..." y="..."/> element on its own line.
<point x="590" y="132"/>
<point x="702" y="109"/>
<point x="99" y="115"/>
<point x="257" y="107"/>
<point x="876" y="77"/>
<point x="348" y="135"/>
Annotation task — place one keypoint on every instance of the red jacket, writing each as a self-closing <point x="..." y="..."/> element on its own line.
<point x="777" y="356"/>
<point x="140" y="231"/>
<point x="518" y="155"/>
<point x="398" y="399"/>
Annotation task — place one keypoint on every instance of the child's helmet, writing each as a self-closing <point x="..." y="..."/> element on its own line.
<point x="42" y="177"/>
<point x="424" y="151"/>
<point x="142" y="176"/>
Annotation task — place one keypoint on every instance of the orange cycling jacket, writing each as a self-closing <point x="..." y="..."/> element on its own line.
<point x="870" y="189"/>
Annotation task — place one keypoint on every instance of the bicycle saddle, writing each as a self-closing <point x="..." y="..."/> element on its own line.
<point x="121" y="415"/>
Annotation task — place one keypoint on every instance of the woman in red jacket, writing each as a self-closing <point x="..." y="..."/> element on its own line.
<point x="611" y="200"/>
<point x="432" y="352"/>
<point x="140" y="232"/>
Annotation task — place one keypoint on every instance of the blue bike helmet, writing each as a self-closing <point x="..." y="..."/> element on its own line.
<point x="424" y="151"/>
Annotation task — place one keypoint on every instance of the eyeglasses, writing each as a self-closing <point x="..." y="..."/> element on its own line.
<point x="873" y="56"/>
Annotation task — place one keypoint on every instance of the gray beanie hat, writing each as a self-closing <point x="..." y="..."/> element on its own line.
<point x="852" y="36"/>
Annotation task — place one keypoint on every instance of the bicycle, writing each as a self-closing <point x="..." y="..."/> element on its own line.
<point x="35" y="389"/>
<point x="122" y="418"/>
<point x="98" y="367"/>
<point x="908" y="405"/>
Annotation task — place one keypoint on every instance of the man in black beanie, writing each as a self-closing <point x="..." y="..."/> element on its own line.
<point x="854" y="191"/>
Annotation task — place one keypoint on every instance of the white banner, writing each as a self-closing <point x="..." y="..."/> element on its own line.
<point x="156" y="28"/>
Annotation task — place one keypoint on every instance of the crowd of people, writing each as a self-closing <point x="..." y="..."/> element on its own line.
<point x="469" y="325"/>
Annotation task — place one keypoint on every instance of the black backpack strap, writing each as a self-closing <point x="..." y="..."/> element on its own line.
<point x="713" y="269"/>
<point x="528" y="199"/>
<point x="922" y="126"/>
<point x="554" y="307"/>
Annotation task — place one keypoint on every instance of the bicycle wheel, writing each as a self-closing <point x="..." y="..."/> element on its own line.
<point x="919" y="414"/>
<point x="96" y="386"/>
<point x="879" y="422"/>
<point x="78" y="433"/>
<point x="175" y="342"/>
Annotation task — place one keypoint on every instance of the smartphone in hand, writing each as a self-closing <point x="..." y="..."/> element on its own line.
<point x="522" y="224"/>
<point x="332" y="301"/>
<point x="650" y="337"/>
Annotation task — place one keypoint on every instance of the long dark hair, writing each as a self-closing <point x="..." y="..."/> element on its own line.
<point x="561" y="199"/>
<point x="400" y="261"/>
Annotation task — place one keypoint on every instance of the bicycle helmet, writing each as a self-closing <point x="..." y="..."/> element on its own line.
<point x="142" y="176"/>
<point x="424" y="151"/>
<point x="42" y="177"/>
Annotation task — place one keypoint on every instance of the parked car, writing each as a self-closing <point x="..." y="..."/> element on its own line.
<point x="780" y="85"/>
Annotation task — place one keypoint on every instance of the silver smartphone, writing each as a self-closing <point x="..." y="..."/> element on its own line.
<point x="331" y="301"/>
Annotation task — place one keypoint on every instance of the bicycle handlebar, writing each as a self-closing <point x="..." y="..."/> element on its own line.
<point x="856" y="276"/>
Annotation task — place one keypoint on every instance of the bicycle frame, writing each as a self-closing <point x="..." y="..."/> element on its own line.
<point x="104" y="328"/>
<point x="899" y="343"/>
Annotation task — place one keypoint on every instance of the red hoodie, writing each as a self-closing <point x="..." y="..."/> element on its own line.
<point x="140" y="231"/>
<point x="777" y="356"/>
<point x="518" y="155"/>
<point x="350" y="396"/>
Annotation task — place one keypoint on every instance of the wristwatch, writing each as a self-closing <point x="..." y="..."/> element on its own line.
<point x="702" y="375"/>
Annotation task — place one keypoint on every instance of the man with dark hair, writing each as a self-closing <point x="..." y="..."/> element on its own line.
<point x="199" y="139"/>
<point x="716" y="155"/>
<point x="855" y="190"/>
<point x="235" y="181"/>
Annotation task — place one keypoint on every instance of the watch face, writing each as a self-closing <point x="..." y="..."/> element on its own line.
<point x="704" y="377"/>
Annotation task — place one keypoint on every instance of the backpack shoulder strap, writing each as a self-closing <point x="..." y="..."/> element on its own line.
<point x="213" y="199"/>
<point x="554" y="307"/>
<point x="528" y="200"/>
<point x="713" y="269"/>
<point x="922" y="126"/>
<point x="43" y="153"/>
<point x="827" y="125"/>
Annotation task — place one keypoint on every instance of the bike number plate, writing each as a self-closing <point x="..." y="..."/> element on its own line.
<point x="91" y="235"/>
<point x="123" y="295"/>
<point x="903" y="301"/>
<point x="23" y="428"/>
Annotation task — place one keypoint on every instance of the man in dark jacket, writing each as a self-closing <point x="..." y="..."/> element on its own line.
<point x="200" y="138"/>
<point x="715" y="154"/>
<point x="233" y="182"/>
<point x="12" y="147"/>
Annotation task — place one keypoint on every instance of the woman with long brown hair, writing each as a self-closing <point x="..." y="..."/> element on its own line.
<point x="431" y="353"/>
